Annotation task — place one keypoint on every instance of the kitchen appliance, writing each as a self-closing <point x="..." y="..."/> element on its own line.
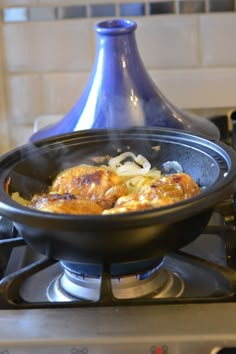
<point x="183" y="303"/>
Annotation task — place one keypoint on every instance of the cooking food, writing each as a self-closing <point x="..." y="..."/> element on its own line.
<point x="156" y="193"/>
<point x="97" y="184"/>
<point x="64" y="203"/>
<point x="126" y="184"/>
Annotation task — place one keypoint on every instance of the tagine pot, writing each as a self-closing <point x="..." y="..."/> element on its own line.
<point x="120" y="92"/>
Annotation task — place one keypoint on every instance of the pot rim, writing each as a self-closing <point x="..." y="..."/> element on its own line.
<point x="170" y="213"/>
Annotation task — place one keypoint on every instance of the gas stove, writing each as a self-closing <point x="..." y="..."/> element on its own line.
<point x="197" y="273"/>
<point x="184" y="302"/>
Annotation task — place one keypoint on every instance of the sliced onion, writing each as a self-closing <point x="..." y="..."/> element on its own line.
<point x="172" y="166"/>
<point x="139" y="166"/>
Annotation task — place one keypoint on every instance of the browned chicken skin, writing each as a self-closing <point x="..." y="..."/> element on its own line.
<point x="86" y="189"/>
<point x="64" y="203"/>
<point x="163" y="191"/>
<point x="97" y="184"/>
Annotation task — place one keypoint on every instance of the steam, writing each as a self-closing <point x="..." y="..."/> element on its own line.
<point x="32" y="167"/>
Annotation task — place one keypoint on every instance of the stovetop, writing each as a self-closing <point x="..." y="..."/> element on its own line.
<point x="201" y="272"/>
<point x="185" y="304"/>
<point x="197" y="317"/>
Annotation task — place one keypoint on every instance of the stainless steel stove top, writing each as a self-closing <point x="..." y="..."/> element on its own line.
<point x="183" y="328"/>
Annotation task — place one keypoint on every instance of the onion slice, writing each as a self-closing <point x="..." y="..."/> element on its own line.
<point x="172" y="166"/>
<point x="139" y="166"/>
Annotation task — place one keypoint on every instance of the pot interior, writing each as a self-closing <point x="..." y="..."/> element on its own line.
<point x="34" y="167"/>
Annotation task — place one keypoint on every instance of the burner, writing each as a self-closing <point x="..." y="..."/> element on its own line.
<point x="157" y="283"/>
<point x="115" y="269"/>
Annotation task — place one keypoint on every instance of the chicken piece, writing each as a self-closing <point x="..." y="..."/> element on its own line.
<point x="156" y="193"/>
<point x="97" y="184"/>
<point x="170" y="188"/>
<point x="64" y="203"/>
<point x="131" y="206"/>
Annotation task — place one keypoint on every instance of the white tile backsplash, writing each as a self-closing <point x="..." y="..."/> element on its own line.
<point x="60" y="91"/>
<point x="48" y="46"/>
<point x="5" y="143"/>
<point x="2" y="91"/>
<point x="218" y="43"/>
<point x="198" y="88"/>
<point x="24" y="98"/>
<point x="163" y="40"/>
<point x="24" y="132"/>
<point x="4" y="132"/>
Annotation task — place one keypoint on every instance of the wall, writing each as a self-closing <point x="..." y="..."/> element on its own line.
<point x="4" y="131"/>
<point x="47" y="50"/>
